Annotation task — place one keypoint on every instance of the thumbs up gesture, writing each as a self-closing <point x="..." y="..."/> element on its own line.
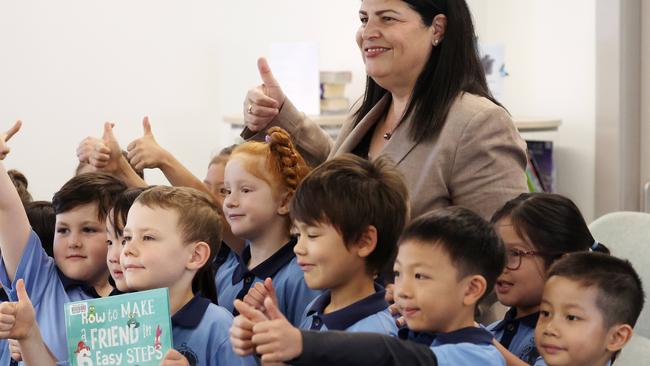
<point x="264" y="101"/>
<point x="145" y="153"/>
<point x="17" y="319"/>
<point x="276" y="339"/>
<point x="6" y="136"/>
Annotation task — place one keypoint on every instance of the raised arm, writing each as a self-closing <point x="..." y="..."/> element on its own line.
<point x="266" y="106"/>
<point x="14" y="225"/>
<point x="146" y="153"/>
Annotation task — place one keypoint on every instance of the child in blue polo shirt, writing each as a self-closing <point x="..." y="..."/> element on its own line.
<point x="349" y="212"/>
<point x="447" y="261"/>
<point x="170" y="240"/>
<point x="590" y="304"/>
<point x="260" y="180"/>
<point x="78" y="270"/>
<point x="536" y="229"/>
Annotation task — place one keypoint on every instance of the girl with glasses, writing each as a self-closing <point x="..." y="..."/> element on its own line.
<point x="536" y="229"/>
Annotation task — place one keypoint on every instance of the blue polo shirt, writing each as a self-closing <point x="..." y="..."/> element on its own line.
<point x="200" y="332"/>
<point x="293" y="294"/>
<point x="48" y="290"/>
<point x="518" y="336"/>
<point x="466" y="346"/>
<point x="366" y="315"/>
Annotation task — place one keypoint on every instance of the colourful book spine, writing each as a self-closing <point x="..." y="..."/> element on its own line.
<point x="129" y="329"/>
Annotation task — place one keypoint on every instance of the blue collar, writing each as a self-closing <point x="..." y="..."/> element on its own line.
<point x="344" y="318"/>
<point x="190" y="315"/>
<point x="268" y="268"/>
<point x="69" y="283"/>
<point x="222" y="255"/>
<point x="511" y="317"/>
<point x="464" y="335"/>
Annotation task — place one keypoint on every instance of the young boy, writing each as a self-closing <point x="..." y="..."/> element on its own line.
<point x="349" y="213"/>
<point x="171" y="237"/>
<point x="78" y="270"/>
<point x="590" y="304"/>
<point x="447" y="260"/>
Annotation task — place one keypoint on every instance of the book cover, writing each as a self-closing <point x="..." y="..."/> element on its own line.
<point x="540" y="154"/>
<point x="129" y="329"/>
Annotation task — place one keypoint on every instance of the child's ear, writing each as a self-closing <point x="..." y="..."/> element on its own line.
<point x="367" y="242"/>
<point x="618" y="336"/>
<point x="284" y="205"/>
<point x="475" y="289"/>
<point x="199" y="256"/>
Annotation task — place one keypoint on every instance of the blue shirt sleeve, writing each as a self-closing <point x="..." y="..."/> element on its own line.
<point x="539" y="362"/>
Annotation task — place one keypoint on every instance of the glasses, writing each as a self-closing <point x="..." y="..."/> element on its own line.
<point x="513" y="258"/>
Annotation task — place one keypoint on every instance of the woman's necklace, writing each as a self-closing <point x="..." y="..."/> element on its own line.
<point x="390" y="132"/>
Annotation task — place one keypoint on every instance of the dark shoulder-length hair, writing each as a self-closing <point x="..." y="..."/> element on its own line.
<point x="453" y="68"/>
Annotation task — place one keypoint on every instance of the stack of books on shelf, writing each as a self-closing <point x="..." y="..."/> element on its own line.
<point x="540" y="171"/>
<point x="332" y="92"/>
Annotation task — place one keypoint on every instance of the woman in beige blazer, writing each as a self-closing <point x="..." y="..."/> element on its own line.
<point x="426" y="106"/>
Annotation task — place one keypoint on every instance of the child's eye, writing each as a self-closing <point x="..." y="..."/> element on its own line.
<point x="89" y="230"/>
<point x="420" y="276"/>
<point x="245" y="190"/>
<point x="544" y="313"/>
<point x="572" y="318"/>
<point x="126" y="239"/>
<point x="395" y="274"/>
<point x="224" y="192"/>
<point x="123" y="242"/>
<point x="109" y="242"/>
<point x="147" y="238"/>
<point x="62" y="230"/>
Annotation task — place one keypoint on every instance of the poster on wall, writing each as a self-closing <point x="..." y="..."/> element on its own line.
<point x="494" y="64"/>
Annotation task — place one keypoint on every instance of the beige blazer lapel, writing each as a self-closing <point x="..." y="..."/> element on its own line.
<point x="350" y="136"/>
<point x="399" y="144"/>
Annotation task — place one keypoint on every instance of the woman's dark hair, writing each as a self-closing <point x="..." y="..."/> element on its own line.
<point x="550" y="222"/>
<point x="42" y="218"/>
<point x="453" y="67"/>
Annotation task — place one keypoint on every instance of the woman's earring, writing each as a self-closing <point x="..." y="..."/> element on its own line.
<point x="435" y="42"/>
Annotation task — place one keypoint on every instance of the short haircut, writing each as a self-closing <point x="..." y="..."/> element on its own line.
<point x="99" y="188"/>
<point x="620" y="292"/>
<point x="471" y="243"/>
<point x="352" y="193"/>
<point x="198" y="220"/>
<point x="121" y="209"/>
<point x="20" y="182"/>
<point x="43" y="220"/>
<point x="222" y="156"/>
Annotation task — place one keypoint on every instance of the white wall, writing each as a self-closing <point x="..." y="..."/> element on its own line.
<point x="550" y="55"/>
<point x="69" y="65"/>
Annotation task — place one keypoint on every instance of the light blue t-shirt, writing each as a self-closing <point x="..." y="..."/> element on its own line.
<point x="48" y="290"/>
<point x="366" y="315"/>
<point x="518" y="336"/>
<point x="200" y="332"/>
<point x="234" y="281"/>
<point x="466" y="346"/>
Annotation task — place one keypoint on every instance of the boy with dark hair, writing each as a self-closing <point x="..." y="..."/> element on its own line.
<point x="588" y="294"/>
<point x="447" y="261"/>
<point x="78" y="270"/>
<point x="349" y="212"/>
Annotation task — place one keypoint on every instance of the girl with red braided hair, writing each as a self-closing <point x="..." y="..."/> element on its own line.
<point x="260" y="180"/>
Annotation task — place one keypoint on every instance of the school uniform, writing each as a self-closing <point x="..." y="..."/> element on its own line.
<point x="366" y="315"/>
<point x="518" y="336"/>
<point x="200" y="331"/>
<point x="48" y="290"/>
<point x="289" y="282"/>
<point x="224" y="254"/>
<point x="466" y="346"/>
